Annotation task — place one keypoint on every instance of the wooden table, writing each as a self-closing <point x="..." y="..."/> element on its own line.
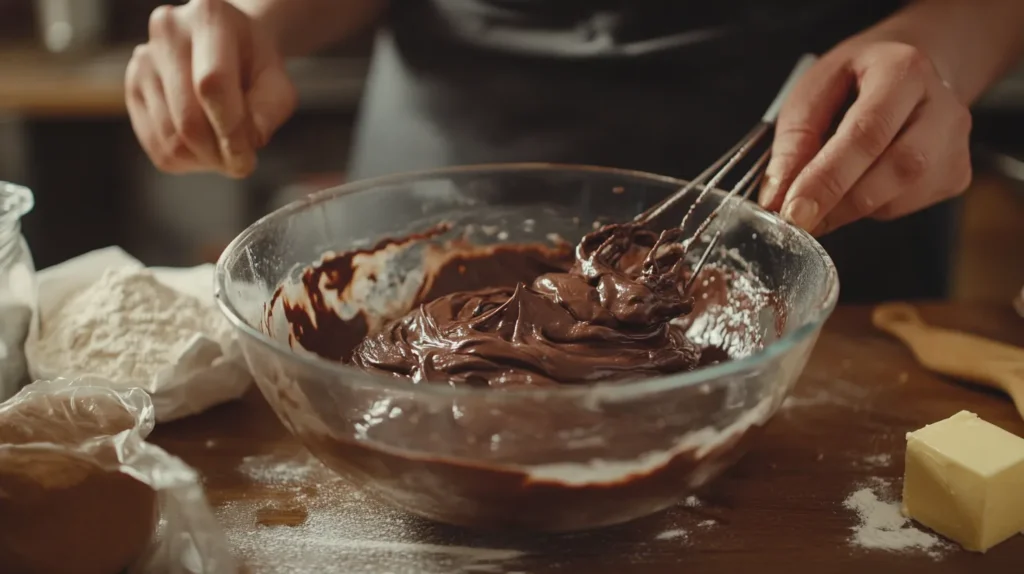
<point x="781" y="507"/>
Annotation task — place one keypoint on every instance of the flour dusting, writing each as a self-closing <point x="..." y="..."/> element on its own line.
<point x="321" y="524"/>
<point x="882" y="526"/>
<point x="271" y="470"/>
<point x="878" y="460"/>
<point x="674" y="534"/>
<point x="835" y="392"/>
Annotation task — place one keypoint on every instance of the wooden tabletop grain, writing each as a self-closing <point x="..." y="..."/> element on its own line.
<point x="782" y="507"/>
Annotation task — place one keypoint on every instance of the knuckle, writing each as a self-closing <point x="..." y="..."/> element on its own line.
<point x="794" y="141"/>
<point x="910" y="164"/>
<point x="161" y="21"/>
<point x="798" y="132"/>
<point x="192" y="125"/>
<point x="964" y="120"/>
<point x="913" y="62"/>
<point x="862" y="204"/>
<point x="141" y="59"/>
<point x="870" y="133"/>
<point x="825" y="183"/>
<point x="140" y="53"/>
<point x="177" y="148"/>
<point x="163" y="160"/>
<point x="135" y="73"/>
<point x="207" y="9"/>
<point x="211" y="83"/>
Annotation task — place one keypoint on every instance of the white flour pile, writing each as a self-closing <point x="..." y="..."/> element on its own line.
<point x="883" y="527"/>
<point x="127" y="326"/>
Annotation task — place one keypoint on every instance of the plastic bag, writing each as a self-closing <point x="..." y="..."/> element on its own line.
<point x="81" y="491"/>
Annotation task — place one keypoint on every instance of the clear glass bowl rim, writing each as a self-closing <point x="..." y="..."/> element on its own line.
<point x="352" y="376"/>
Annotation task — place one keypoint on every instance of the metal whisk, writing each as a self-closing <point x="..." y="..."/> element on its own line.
<point x="717" y="171"/>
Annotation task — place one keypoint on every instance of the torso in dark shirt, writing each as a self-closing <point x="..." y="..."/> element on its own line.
<point x="656" y="85"/>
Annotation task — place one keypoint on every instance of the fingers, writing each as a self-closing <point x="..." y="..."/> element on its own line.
<point x="804" y="119"/>
<point x="951" y="172"/>
<point x="889" y="91"/>
<point x="150" y="118"/>
<point x="271" y="101"/>
<point x="902" y="169"/>
<point x="190" y="90"/>
<point x="172" y="55"/>
<point x="217" y="78"/>
<point x="927" y="163"/>
<point x="137" y="74"/>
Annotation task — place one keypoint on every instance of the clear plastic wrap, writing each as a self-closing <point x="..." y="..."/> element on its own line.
<point x="82" y="491"/>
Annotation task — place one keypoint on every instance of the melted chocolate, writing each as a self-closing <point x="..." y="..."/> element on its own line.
<point x="518" y="315"/>
<point x="606" y="318"/>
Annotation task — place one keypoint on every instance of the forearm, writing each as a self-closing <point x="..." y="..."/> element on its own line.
<point x="971" y="42"/>
<point x="301" y="27"/>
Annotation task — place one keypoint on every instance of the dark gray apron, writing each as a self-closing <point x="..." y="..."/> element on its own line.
<point x="657" y="85"/>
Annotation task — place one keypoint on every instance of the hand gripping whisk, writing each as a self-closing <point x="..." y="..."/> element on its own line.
<point x="717" y="171"/>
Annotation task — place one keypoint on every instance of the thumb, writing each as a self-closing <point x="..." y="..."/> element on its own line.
<point x="271" y="101"/>
<point x="803" y="121"/>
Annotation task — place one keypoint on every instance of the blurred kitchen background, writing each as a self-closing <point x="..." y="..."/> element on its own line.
<point x="64" y="133"/>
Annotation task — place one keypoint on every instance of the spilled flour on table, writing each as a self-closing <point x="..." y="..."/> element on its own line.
<point x="836" y="392"/>
<point x="878" y="460"/>
<point x="882" y="526"/>
<point x="270" y="470"/>
<point x="309" y="520"/>
<point x="674" y="534"/>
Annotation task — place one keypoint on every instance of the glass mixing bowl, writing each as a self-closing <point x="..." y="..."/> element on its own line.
<point x="551" y="459"/>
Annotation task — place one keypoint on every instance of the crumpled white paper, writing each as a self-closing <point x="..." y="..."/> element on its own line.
<point x="208" y="372"/>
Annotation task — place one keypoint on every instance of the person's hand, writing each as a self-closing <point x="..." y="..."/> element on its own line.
<point x="208" y="89"/>
<point x="902" y="145"/>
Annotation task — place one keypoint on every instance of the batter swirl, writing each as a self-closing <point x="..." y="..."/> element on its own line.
<point x="607" y="318"/>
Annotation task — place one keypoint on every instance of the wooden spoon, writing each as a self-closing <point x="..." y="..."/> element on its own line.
<point x="954" y="353"/>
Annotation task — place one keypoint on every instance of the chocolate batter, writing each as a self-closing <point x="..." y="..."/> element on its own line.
<point x="606" y="318"/>
<point x="609" y="316"/>
<point x="427" y="309"/>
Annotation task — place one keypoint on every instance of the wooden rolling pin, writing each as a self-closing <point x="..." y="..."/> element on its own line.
<point x="954" y="353"/>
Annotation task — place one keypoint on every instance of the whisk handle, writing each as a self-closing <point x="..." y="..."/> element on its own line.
<point x="805" y="62"/>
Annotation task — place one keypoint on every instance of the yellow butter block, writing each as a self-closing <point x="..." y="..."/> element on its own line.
<point x="964" y="479"/>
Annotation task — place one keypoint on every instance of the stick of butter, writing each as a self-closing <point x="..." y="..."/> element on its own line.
<point x="964" y="479"/>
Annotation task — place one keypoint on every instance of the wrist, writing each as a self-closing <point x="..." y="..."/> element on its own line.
<point x="911" y="29"/>
<point x="971" y="43"/>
